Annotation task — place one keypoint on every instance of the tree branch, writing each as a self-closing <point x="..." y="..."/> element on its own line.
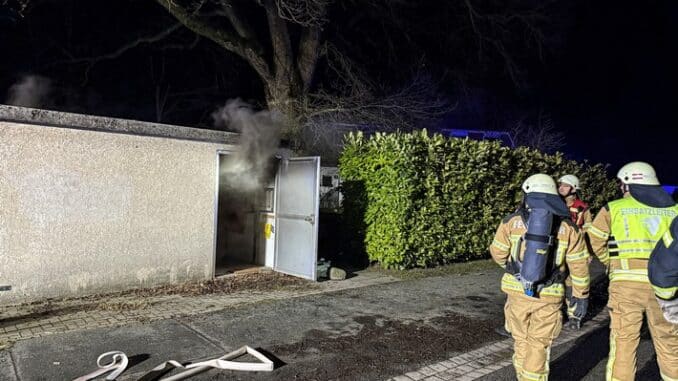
<point x="239" y="23"/>
<point x="307" y="13"/>
<point x="131" y="45"/>
<point x="229" y="41"/>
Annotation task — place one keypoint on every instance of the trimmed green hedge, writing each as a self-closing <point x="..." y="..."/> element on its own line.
<point x="421" y="200"/>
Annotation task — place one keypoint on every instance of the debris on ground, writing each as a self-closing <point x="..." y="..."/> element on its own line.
<point x="143" y="298"/>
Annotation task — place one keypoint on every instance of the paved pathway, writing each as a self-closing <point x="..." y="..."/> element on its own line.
<point x="43" y="319"/>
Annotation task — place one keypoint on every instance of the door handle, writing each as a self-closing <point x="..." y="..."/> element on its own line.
<point x="310" y="219"/>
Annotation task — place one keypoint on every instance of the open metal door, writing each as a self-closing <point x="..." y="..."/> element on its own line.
<point x="296" y="216"/>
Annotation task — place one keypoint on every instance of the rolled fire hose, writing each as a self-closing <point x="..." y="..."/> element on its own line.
<point x="117" y="365"/>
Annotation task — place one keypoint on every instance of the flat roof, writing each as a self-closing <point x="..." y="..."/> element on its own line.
<point x="113" y="125"/>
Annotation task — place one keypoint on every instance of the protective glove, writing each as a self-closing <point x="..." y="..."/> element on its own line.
<point x="581" y="306"/>
<point x="670" y="309"/>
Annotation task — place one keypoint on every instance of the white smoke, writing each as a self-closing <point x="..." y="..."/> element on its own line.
<point x="259" y="140"/>
<point x="30" y="91"/>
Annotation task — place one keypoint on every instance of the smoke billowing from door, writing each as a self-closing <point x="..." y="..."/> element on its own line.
<point x="31" y="91"/>
<point x="259" y="140"/>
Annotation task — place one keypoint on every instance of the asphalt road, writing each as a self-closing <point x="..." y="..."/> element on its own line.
<point x="370" y="333"/>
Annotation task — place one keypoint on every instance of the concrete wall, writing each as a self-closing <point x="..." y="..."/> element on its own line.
<point x="85" y="211"/>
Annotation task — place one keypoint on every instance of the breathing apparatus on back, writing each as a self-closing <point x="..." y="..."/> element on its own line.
<point x="544" y="209"/>
<point x="662" y="271"/>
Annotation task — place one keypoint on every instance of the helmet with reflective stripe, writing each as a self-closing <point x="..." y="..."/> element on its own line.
<point x="638" y="172"/>
<point x="570" y="180"/>
<point x="540" y="183"/>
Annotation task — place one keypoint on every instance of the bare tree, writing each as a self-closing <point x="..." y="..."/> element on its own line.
<point x="331" y="117"/>
<point x="284" y="61"/>
<point x="494" y="29"/>
<point x="540" y="134"/>
<point x="358" y="103"/>
<point x="287" y="73"/>
<point x="285" y="41"/>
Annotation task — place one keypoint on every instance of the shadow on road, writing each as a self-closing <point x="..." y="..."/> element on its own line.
<point x="277" y="363"/>
<point x="579" y="362"/>
<point x="584" y="356"/>
<point x="650" y="371"/>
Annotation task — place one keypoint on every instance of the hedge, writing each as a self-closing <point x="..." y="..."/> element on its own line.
<point x="419" y="200"/>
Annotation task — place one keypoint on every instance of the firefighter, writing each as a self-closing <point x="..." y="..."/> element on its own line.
<point x="662" y="271"/>
<point x="537" y="245"/>
<point x="569" y="189"/>
<point x="623" y="234"/>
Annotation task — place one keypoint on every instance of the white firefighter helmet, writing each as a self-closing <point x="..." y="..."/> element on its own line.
<point x="638" y="172"/>
<point x="540" y="183"/>
<point x="570" y="180"/>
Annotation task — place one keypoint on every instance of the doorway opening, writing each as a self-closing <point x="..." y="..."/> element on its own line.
<point x="244" y="215"/>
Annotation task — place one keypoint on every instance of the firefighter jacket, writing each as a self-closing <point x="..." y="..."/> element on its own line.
<point x="569" y="250"/>
<point x="623" y="235"/>
<point x="579" y="212"/>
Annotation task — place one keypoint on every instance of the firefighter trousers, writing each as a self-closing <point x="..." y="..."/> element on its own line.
<point x="568" y="297"/>
<point x="534" y="324"/>
<point x="627" y="303"/>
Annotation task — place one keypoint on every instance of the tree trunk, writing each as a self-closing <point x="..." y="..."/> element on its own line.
<point x="284" y="95"/>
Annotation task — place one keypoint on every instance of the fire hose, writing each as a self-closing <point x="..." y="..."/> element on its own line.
<point x="119" y="364"/>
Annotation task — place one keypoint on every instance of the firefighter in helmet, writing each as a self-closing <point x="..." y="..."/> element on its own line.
<point x="623" y="235"/>
<point x="538" y="245"/>
<point x="569" y="189"/>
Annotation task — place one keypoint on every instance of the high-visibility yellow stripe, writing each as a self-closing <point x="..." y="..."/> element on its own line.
<point x="534" y="376"/>
<point x="517" y="365"/>
<point x="665" y="292"/>
<point x="501" y="246"/>
<point x="613" y="356"/>
<point x="668" y="240"/>
<point x="515" y="246"/>
<point x="577" y="256"/>
<point x="604" y="257"/>
<point x="598" y="233"/>
<point x="624" y="263"/>
<point x="556" y="289"/>
<point x="623" y="241"/>
<point x="509" y="282"/>
<point x="580" y="281"/>
<point x="642" y="250"/>
<point x="639" y="275"/>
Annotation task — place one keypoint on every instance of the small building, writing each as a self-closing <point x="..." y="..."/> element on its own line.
<point x="93" y="204"/>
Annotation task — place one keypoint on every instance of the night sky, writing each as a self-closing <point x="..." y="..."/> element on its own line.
<point x="608" y="75"/>
<point x="615" y="86"/>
